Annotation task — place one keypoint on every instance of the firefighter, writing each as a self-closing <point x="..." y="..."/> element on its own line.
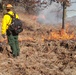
<point x="11" y="37"/>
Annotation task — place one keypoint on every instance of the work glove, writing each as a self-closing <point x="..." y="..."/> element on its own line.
<point x="3" y="35"/>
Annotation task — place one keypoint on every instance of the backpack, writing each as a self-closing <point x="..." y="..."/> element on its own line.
<point x="16" y="24"/>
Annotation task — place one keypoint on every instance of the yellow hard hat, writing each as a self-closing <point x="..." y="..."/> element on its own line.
<point x="9" y="6"/>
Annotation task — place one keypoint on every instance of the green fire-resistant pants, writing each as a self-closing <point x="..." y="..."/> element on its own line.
<point x="13" y="42"/>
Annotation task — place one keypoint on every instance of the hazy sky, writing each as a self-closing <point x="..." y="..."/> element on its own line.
<point x="72" y="7"/>
<point x="52" y="14"/>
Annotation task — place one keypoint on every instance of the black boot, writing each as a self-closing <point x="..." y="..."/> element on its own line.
<point x="14" y="55"/>
<point x="18" y="54"/>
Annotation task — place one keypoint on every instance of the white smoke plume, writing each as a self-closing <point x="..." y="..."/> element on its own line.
<point x="52" y="14"/>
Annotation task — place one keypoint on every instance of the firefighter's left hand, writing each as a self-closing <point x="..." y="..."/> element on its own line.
<point x="3" y="35"/>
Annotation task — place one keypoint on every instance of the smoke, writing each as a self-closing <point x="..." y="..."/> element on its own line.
<point x="52" y="14"/>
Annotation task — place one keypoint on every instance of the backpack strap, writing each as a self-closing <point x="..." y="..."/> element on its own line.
<point x="11" y="15"/>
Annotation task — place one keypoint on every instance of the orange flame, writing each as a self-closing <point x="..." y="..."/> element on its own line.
<point x="42" y="16"/>
<point x="63" y="34"/>
<point x="59" y="35"/>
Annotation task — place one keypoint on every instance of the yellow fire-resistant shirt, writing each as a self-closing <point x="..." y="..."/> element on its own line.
<point x="6" y="21"/>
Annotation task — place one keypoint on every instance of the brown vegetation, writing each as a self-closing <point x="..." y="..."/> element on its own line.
<point x="40" y="55"/>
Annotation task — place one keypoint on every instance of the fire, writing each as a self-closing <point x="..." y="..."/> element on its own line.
<point x="42" y="16"/>
<point x="34" y="17"/>
<point x="59" y="35"/>
<point x="66" y="36"/>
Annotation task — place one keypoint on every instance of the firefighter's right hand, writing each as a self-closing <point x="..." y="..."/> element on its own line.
<point x="3" y="35"/>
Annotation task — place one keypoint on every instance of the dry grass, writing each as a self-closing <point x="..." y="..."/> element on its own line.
<point x="38" y="57"/>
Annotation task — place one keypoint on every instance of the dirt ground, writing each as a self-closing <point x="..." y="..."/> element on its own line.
<point x="38" y="54"/>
